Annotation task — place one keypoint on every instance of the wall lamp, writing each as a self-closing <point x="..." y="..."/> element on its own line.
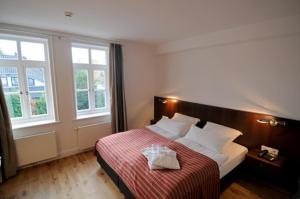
<point x="164" y="101"/>
<point x="272" y="122"/>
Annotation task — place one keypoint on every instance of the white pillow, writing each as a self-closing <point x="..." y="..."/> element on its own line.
<point x="175" y="127"/>
<point x="229" y="132"/>
<point x="210" y="140"/>
<point x="185" y="118"/>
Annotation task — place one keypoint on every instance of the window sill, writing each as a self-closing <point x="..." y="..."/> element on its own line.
<point x="33" y="124"/>
<point x="81" y="117"/>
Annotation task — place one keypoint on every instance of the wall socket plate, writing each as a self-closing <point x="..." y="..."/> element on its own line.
<point x="270" y="150"/>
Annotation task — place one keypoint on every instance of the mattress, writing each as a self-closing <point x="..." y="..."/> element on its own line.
<point x="236" y="154"/>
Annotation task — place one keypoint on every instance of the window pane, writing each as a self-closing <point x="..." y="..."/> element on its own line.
<point x="8" y="49"/>
<point x="4" y="81"/>
<point x="80" y="55"/>
<point x="99" y="79"/>
<point x="100" y="99"/>
<point x="13" y="103"/>
<point x="35" y="79"/>
<point x="82" y="100"/>
<point x="33" y="51"/>
<point x="98" y="57"/>
<point x="9" y="79"/>
<point x="81" y="78"/>
<point x="14" y="81"/>
<point x="38" y="103"/>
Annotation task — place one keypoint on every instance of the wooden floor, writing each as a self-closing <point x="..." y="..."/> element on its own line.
<point x="80" y="176"/>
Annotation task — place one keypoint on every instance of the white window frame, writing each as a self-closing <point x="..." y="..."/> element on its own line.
<point x="90" y="67"/>
<point x="21" y="66"/>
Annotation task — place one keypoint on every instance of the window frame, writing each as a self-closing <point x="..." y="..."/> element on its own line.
<point x="21" y="67"/>
<point x="90" y="67"/>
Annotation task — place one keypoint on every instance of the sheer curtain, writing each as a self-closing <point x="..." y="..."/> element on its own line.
<point x="7" y="144"/>
<point x="118" y="103"/>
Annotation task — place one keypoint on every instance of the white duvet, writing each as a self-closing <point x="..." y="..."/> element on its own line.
<point x="219" y="158"/>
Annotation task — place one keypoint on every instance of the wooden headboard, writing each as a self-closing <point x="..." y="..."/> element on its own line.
<point x="285" y="138"/>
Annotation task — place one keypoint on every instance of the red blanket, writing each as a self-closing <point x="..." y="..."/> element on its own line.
<point x="197" y="178"/>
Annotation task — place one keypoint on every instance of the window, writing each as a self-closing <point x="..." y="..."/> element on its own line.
<point x="26" y="80"/>
<point x="90" y="65"/>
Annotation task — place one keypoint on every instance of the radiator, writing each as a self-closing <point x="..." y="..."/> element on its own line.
<point x="36" y="148"/>
<point x="87" y="135"/>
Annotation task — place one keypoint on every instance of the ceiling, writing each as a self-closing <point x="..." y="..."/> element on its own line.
<point x="151" y="21"/>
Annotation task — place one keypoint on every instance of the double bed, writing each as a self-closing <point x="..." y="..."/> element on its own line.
<point x="201" y="168"/>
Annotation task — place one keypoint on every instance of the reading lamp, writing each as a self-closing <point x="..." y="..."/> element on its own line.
<point x="164" y="101"/>
<point x="272" y="122"/>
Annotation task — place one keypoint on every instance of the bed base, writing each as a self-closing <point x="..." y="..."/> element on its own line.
<point x="115" y="178"/>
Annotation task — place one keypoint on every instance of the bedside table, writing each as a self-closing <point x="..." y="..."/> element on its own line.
<point x="273" y="171"/>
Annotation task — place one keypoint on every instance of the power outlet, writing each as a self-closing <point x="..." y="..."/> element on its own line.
<point x="270" y="150"/>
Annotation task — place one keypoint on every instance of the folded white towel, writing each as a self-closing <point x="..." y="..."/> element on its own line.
<point x="161" y="157"/>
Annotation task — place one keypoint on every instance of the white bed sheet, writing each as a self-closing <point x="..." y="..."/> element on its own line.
<point x="236" y="154"/>
<point x="162" y="132"/>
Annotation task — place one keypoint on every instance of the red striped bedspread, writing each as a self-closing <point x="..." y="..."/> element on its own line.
<point x="197" y="178"/>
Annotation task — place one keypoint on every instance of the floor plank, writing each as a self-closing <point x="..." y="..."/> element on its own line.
<point x="80" y="176"/>
<point x="235" y="191"/>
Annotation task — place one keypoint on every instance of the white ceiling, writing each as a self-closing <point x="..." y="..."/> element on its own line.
<point x="152" y="21"/>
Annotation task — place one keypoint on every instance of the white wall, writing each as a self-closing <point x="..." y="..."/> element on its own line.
<point x="140" y="83"/>
<point x="253" y="68"/>
<point x="139" y="71"/>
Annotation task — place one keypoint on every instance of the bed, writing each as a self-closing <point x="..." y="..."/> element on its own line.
<point x="200" y="183"/>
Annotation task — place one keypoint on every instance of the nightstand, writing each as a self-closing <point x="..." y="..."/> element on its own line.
<point x="265" y="169"/>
